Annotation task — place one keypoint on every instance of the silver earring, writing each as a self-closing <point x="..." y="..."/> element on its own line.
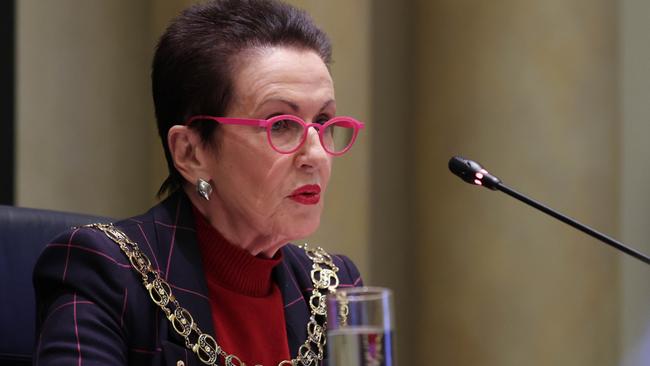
<point x="204" y="189"/>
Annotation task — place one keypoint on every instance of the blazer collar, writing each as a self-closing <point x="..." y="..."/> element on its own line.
<point x="180" y="259"/>
<point x="296" y="310"/>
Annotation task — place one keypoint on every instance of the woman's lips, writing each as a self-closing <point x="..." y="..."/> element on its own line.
<point x="307" y="195"/>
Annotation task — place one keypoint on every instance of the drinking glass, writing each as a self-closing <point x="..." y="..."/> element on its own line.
<point x="360" y="327"/>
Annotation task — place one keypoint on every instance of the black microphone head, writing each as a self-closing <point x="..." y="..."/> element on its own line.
<point x="464" y="168"/>
<point x="472" y="172"/>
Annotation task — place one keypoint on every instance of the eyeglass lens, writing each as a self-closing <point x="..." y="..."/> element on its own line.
<point x="287" y="134"/>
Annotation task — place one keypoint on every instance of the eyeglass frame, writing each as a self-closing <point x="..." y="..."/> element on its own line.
<point x="268" y="123"/>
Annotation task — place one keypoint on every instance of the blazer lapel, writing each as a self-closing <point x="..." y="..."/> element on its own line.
<point x="296" y="309"/>
<point x="180" y="260"/>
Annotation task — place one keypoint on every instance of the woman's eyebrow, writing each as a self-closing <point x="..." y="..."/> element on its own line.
<point x="326" y="105"/>
<point x="294" y="107"/>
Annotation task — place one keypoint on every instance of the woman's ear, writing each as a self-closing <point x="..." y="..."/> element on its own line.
<point x="188" y="153"/>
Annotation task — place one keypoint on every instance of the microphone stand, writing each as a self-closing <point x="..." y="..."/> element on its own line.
<point x="567" y="220"/>
<point x="473" y="173"/>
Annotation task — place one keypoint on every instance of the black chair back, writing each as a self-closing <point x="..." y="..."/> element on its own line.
<point x="24" y="232"/>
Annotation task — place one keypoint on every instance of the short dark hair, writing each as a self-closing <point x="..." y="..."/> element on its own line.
<point x="193" y="63"/>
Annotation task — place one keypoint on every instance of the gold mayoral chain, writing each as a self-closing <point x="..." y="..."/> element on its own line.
<point x="323" y="277"/>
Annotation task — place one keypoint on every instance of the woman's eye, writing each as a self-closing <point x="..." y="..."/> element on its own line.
<point x="286" y="126"/>
<point x="280" y="125"/>
<point x="322" y="119"/>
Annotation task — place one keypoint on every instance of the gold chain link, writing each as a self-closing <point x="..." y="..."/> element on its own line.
<point x="323" y="276"/>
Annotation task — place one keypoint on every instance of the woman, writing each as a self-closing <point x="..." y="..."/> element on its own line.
<point x="246" y="112"/>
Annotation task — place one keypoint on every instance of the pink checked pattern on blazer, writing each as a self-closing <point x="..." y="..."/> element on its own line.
<point x="93" y="309"/>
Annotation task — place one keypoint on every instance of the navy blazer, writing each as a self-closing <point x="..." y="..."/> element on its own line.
<point x="92" y="308"/>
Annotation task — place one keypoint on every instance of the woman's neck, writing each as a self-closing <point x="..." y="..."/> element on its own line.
<point x="236" y="229"/>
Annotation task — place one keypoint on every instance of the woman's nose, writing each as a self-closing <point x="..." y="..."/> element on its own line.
<point x="312" y="152"/>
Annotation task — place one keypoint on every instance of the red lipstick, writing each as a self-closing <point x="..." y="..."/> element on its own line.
<point x="307" y="195"/>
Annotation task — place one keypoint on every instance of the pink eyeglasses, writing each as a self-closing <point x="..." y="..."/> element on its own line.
<point x="287" y="133"/>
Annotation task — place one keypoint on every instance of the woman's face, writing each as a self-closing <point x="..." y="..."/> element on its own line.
<point x="262" y="196"/>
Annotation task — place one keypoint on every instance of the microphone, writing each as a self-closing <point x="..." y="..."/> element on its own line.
<point x="473" y="173"/>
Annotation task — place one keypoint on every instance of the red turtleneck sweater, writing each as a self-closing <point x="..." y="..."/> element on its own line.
<point x="247" y="306"/>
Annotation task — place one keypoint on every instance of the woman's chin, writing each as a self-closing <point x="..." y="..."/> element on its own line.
<point x="303" y="229"/>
